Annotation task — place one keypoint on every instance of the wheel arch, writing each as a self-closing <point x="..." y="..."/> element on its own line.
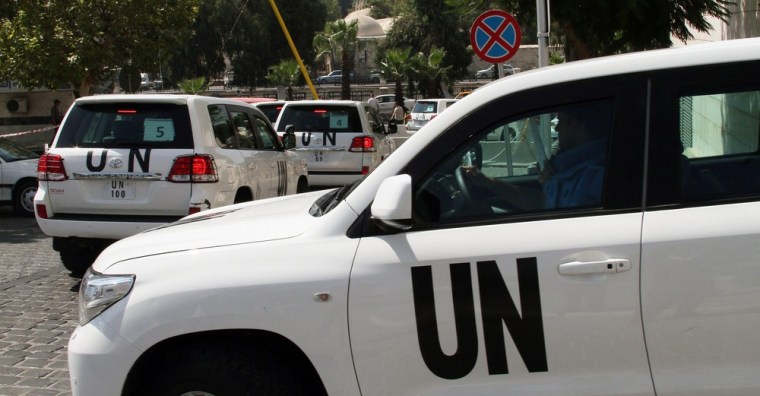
<point x="246" y="339"/>
<point x="243" y="194"/>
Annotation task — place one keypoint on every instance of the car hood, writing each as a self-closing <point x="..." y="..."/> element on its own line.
<point x="265" y="220"/>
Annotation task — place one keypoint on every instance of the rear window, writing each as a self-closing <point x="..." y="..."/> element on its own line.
<point x="425" y="107"/>
<point x="132" y="125"/>
<point x="321" y="118"/>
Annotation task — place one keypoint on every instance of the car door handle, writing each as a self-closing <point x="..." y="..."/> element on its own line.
<point x="609" y="266"/>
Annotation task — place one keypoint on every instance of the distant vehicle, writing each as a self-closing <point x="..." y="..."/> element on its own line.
<point x="386" y="103"/>
<point x="334" y="77"/>
<point x="341" y="140"/>
<point x="251" y="100"/>
<point x="488" y="73"/>
<point x="425" y="110"/>
<point x="18" y="177"/>
<point x="121" y="164"/>
<point x="271" y="109"/>
<point x="145" y="82"/>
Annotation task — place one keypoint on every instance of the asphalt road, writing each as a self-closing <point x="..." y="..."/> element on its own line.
<point x="38" y="310"/>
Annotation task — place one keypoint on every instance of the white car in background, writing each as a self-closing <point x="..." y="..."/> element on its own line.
<point x="386" y="103"/>
<point x="18" y="177"/>
<point x="425" y="110"/>
<point x="121" y="164"/>
<point x="341" y="140"/>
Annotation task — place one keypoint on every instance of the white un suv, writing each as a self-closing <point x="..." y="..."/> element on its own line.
<point x="123" y="164"/>
<point x="341" y="140"/>
<point x="624" y="262"/>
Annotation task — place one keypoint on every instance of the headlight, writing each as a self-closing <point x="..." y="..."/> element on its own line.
<point x="99" y="291"/>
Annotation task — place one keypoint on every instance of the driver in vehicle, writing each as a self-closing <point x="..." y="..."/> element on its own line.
<point x="573" y="176"/>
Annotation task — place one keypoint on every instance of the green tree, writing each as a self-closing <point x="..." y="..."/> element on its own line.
<point x="285" y="74"/>
<point x="338" y="40"/>
<point x="425" y="24"/>
<point x="396" y="66"/>
<point x="77" y="42"/>
<point x="431" y="72"/>
<point x="603" y="27"/>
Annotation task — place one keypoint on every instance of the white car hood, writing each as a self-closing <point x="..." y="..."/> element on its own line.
<point x="269" y="219"/>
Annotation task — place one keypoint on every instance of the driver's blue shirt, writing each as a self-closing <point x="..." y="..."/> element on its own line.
<point x="578" y="176"/>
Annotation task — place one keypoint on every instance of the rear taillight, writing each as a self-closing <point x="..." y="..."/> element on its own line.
<point x="363" y="144"/>
<point x="50" y="168"/>
<point x="193" y="169"/>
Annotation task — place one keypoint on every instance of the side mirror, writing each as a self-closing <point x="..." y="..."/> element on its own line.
<point x="289" y="139"/>
<point x="393" y="202"/>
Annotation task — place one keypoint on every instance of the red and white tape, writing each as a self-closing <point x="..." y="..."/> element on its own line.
<point x="31" y="132"/>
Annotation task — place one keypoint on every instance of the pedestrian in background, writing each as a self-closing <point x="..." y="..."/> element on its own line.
<point x="56" y="115"/>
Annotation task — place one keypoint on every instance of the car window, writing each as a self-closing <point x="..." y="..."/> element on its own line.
<point x="376" y="124"/>
<point x="266" y="134"/>
<point x="222" y="126"/>
<point x="546" y="161"/>
<point x="425" y="107"/>
<point x="127" y="125"/>
<point x="243" y="130"/>
<point x="321" y="118"/>
<point x="719" y="135"/>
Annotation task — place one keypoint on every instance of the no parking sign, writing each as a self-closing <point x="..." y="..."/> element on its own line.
<point x="495" y="36"/>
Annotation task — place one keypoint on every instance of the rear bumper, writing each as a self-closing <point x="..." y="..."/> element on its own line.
<point x="95" y="229"/>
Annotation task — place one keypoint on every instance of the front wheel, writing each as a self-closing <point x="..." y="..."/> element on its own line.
<point x="220" y="368"/>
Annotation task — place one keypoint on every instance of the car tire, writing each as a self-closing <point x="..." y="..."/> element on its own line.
<point x="23" y="197"/>
<point x="219" y="368"/>
<point x="78" y="259"/>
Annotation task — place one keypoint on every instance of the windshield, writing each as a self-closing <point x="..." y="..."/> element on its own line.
<point x="11" y="152"/>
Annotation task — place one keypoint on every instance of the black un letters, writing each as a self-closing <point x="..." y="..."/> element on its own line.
<point x="497" y="308"/>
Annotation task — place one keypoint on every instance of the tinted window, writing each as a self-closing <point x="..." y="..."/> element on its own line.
<point x="243" y="130"/>
<point x="127" y="125"/>
<point x="425" y="107"/>
<point x="271" y="111"/>
<point x="551" y="160"/>
<point x="266" y="134"/>
<point x="321" y="118"/>
<point x="222" y="126"/>
<point x="719" y="135"/>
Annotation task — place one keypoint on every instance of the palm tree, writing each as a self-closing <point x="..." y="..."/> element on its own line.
<point x="431" y="72"/>
<point x="339" y="40"/>
<point x="284" y="74"/>
<point x="396" y="66"/>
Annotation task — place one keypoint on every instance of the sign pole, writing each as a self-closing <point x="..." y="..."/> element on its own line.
<point x="542" y="8"/>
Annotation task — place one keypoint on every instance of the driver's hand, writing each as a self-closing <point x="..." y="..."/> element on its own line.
<point x="475" y="176"/>
<point x="546" y="172"/>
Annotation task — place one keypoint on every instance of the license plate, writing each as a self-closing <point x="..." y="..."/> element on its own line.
<point x="119" y="190"/>
<point x="319" y="156"/>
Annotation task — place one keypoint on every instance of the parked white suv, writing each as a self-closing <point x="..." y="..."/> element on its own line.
<point x="629" y="266"/>
<point x="341" y="140"/>
<point x="121" y="164"/>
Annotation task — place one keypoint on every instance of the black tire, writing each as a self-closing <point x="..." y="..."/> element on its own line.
<point x="78" y="259"/>
<point x="220" y="368"/>
<point x="303" y="186"/>
<point x="23" y="197"/>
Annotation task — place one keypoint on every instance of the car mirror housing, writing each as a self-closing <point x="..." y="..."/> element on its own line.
<point x="392" y="206"/>
<point x="289" y="139"/>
